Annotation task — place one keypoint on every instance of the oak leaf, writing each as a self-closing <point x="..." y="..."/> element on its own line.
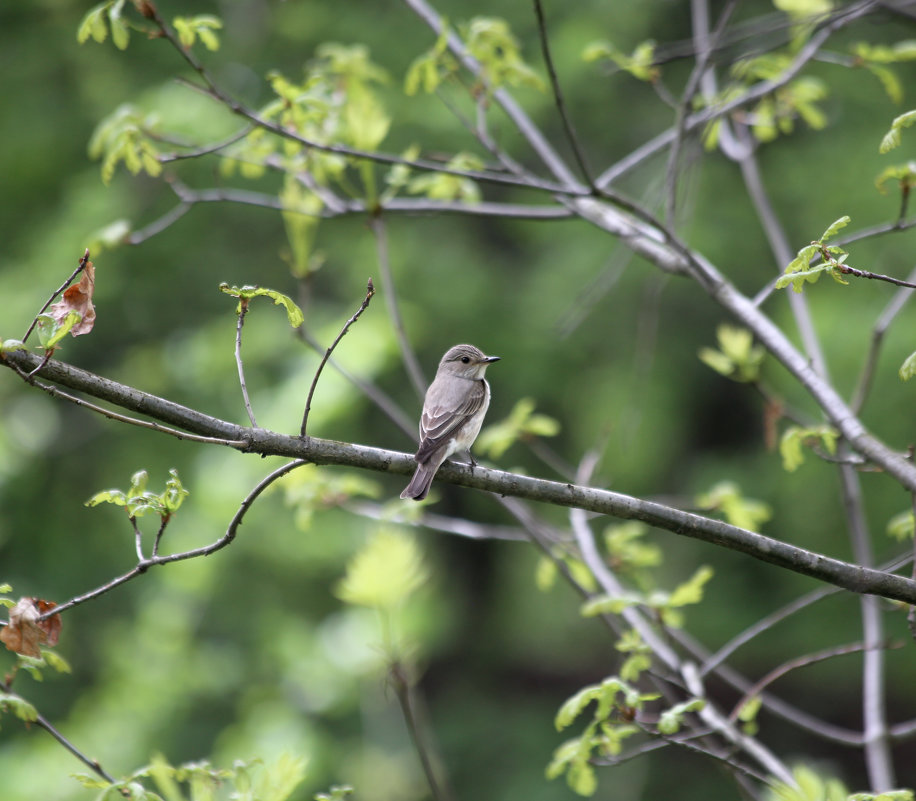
<point x="78" y="298"/>
<point x="25" y="632"/>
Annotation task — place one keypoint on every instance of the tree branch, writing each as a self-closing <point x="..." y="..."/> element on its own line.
<point x="329" y="452"/>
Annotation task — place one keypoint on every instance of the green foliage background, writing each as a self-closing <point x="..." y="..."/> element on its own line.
<point x="250" y="653"/>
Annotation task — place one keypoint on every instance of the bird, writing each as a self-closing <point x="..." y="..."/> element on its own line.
<point x="453" y="412"/>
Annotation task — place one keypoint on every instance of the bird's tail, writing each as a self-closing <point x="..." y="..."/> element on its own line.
<point x="422" y="478"/>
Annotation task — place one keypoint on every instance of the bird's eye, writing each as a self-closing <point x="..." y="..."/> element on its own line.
<point x="465" y="359"/>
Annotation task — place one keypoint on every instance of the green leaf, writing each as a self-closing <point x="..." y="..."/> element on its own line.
<point x="10" y="345"/>
<point x="572" y="707"/>
<point x="640" y="63"/>
<point x="908" y="368"/>
<point x="21" y="708"/>
<point x="671" y="719"/>
<point x="51" y="331"/>
<point x="115" y="496"/>
<point x="384" y="573"/>
<point x="610" y="604"/>
<point x="491" y="42"/>
<point x="442" y="186"/>
<point x="190" y="29"/>
<point x="889" y="81"/>
<point x="93" y="24"/>
<point x="278" y="781"/>
<point x="790" y="445"/>
<point x="739" y="511"/>
<point x="737" y="358"/>
<point x="174" y="493"/>
<point x="301" y="216"/>
<point x="120" y="34"/>
<point x="691" y="591"/>
<point x="901" y="526"/>
<point x="521" y="424"/>
<point x="835" y="226"/>
<point x="904" y="174"/>
<point x="293" y="313"/>
<point x="55" y="661"/>
<point x="109" y="237"/>
<point x="892" y="137"/>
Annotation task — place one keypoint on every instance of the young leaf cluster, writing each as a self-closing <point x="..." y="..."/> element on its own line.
<point x="616" y="705"/>
<point x="640" y="63"/>
<point x="492" y="43"/>
<point x="138" y="501"/>
<point x="737" y="358"/>
<point x="200" y="781"/>
<point x="809" y="786"/>
<point x="893" y="136"/>
<point x="799" y="271"/>
<point x="125" y="135"/>
<point x="203" y="27"/>
<point x="521" y="424"/>
<point x="726" y="497"/>
<point x="97" y="21"/>
<point x="794" y="438"/>
<point x="667" y="605"/>
<point x="875" y="59"/>
<point x="775" y="114"/>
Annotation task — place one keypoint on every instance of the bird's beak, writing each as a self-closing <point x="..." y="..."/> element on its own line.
<point x="491" y="359"/>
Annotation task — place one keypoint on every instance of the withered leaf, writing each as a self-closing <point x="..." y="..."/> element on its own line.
<point x="25" y="633"/>
<point x="77" y="298"/>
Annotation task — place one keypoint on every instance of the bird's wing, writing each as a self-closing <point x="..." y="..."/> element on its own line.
<point x="443" y="417"/>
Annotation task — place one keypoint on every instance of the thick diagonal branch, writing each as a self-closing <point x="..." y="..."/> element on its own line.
<point x="329" y="452"/>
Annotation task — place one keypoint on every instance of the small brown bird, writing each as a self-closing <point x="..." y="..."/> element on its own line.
<point x="453" y="412"/>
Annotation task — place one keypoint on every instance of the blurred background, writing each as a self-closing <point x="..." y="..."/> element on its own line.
<point x="250" y="653"/>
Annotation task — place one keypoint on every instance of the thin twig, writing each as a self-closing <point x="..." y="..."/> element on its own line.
<point x="764" y="624"/>
<point x="45" y="724"/>
<point x="243" y="310"/>
<point x="370" y="291"/>
<point x="558" y="95"/>
<point x="704" y="47"/>
<point x="847" y="270"/>
<point x="891" y="310"/>
<point x="380" y="232"/>
<point x="793" y="664"/>
<point x="420" y="732"/>
<point x="205" y="150"/>
<point x="384" y="401"/>
<point x="82" y="266"/>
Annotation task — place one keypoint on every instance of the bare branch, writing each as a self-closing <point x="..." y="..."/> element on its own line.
<point x="370" y="291"/>
<point x="319" y="451"/>
<point x="558" y="94"/>
<point x="380" y="232"/>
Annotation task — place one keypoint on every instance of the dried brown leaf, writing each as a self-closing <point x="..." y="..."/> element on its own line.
<point x="78" y="298"/>
<point x="25" y="632"/>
